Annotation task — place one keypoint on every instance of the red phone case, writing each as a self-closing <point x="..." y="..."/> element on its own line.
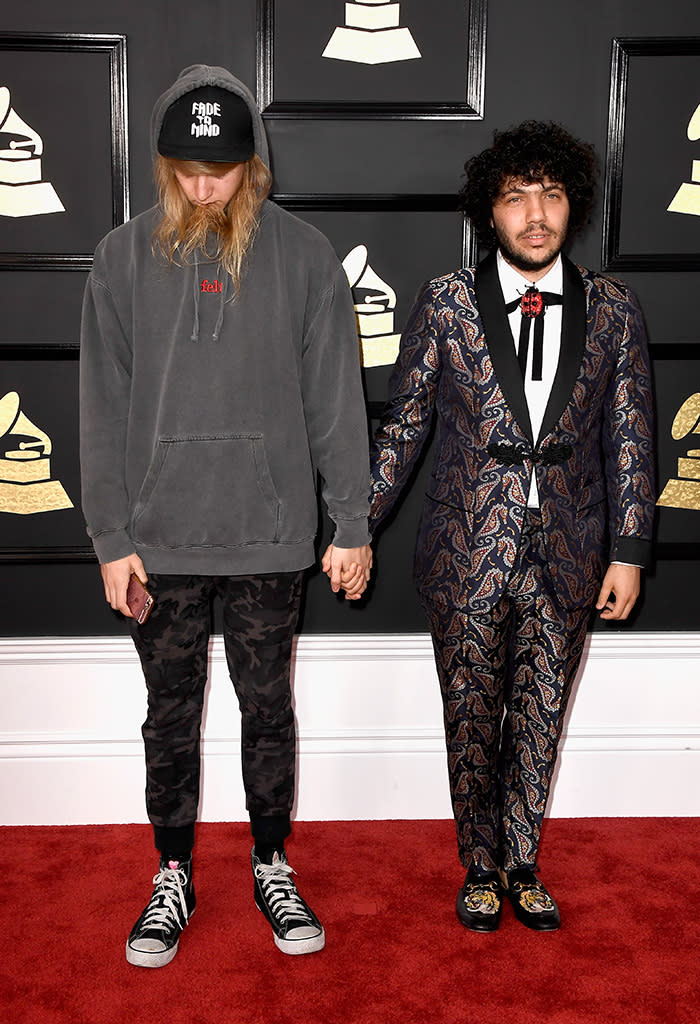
<point x="139" y="600"/>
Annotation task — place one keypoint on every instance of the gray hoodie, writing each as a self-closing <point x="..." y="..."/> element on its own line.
<point x="204" y="420"/>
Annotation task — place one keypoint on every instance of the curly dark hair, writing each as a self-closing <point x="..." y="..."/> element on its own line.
<point x="531" y="152"/>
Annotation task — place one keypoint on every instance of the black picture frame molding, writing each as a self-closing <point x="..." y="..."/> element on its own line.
<point x="623" y="49"/>
<point x="114" y="45"/>
<point x="471" y="109"/>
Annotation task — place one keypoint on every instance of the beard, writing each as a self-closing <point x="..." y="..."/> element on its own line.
<point x="202" y="223"/>
<point x="529" y="261"/>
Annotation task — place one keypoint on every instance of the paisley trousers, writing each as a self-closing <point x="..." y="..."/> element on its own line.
<point x="506" y="677"/>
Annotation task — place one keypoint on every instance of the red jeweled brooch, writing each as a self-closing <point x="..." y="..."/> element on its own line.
<point x="532" y="303"/>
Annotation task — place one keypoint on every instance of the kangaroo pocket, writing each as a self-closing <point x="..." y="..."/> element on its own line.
<point x="213" y="491"/>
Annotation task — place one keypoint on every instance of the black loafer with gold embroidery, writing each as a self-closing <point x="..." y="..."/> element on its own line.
<point x="532" y="904"/>
<point x="480" y="901"/>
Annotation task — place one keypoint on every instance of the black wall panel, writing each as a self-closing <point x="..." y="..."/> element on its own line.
<point x="379" y="175"/>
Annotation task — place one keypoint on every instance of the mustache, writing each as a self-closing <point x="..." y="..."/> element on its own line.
<point x="539" y="228"/>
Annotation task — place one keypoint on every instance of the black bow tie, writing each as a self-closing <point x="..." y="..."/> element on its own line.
<point x="532" y="306"/>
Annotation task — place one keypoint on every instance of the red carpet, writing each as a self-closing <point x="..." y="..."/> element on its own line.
<point x="627" y="952"/>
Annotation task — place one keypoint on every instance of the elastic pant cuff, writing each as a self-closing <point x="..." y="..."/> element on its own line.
<point x="174" y="843"/>
<point x="270" y="830"/>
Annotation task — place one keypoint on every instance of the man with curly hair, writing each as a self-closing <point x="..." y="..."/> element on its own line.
<point x="541" y="498"/>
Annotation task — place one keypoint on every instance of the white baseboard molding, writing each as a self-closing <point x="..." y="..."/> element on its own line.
<point x="370" y="731"/>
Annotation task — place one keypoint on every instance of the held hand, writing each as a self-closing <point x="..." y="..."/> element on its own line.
<point x="622" y="582"/>
<point x="353" y="581"/>
<point x="115" y="577"/>
<point x="348" y="568"/>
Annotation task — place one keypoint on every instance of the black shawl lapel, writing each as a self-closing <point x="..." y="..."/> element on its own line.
<point x="499" y="341"/>
<point x="573" y="343"/>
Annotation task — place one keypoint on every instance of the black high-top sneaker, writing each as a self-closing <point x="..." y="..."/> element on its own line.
<point x="296" y="928"/>
<point x="155" y="936"/>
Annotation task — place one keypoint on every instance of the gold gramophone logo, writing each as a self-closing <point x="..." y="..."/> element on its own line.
<point x="25" y="465"/>
<point x="372" y="34"/>
<point x="22" y="192"/>
<point x="375" y="305"/>
<point x="684" y="491"/>
<point x="687" y="198"/>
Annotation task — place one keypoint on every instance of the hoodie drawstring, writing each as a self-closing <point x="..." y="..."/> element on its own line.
<point x="195" y="284"/>
<point x="224" y="293"/>
<point x="225" y="285"/>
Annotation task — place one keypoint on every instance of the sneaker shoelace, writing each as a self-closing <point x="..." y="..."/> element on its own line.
<point x="168" y="900"/>
<point x="281" y="893"/>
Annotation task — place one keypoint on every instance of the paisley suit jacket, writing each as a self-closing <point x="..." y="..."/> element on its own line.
<point x="593" y="457"/>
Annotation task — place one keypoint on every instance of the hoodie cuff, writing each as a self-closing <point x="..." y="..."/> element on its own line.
<point x="351" y="533"/>
<point x="113" y="545"/>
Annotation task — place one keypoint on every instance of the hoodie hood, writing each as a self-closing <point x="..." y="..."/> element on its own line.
<point x="196" y="76"/>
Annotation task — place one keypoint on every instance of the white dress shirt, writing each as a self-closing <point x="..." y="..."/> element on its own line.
<point x="513" y="285"/>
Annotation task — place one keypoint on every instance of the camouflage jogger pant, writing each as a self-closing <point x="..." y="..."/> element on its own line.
<point x="260" y="615"/>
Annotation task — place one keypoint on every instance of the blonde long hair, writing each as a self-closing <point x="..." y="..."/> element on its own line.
<point x="183" y="229"/>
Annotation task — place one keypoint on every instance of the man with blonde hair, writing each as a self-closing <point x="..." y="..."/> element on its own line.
<point x="219" y="375"/>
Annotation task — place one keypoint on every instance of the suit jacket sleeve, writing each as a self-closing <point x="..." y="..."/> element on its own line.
<point x="408" y="413"/>
<point x="628" y="444"/>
